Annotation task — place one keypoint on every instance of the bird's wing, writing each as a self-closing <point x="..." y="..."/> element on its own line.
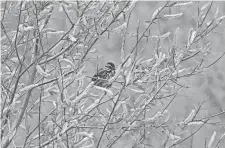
<point x="99" y="72"/>
<point x="103" y="74"/>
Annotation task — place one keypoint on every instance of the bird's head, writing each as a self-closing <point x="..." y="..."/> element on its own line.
<point x="110" y="66"/>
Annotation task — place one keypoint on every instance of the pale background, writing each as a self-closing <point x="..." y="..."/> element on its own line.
<point x="209" y="85"/>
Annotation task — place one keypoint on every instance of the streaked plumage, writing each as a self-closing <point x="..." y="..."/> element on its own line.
<point x="103" y="75"/>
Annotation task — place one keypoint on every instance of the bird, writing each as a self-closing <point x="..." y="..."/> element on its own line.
<point x="103" y="75"/>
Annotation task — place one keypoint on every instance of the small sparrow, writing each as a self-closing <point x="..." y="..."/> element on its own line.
<point x="103" y="75"/>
